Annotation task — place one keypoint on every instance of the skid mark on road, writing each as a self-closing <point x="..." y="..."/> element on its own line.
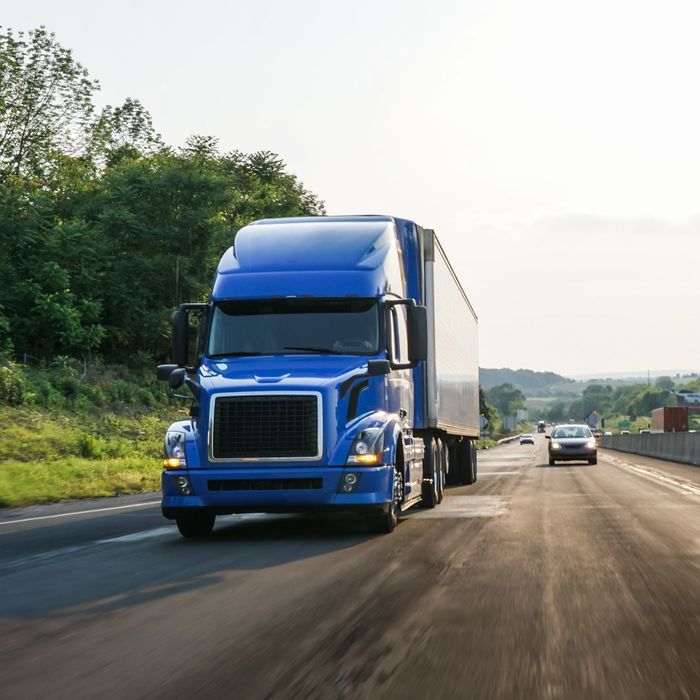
<point x="464" y="507"/>
<point x="497" y="473"/>
<point x="44" y="557"/>
<point x="137" y="536"/>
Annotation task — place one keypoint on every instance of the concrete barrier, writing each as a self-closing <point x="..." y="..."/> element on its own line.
<point x="675" y="447"/>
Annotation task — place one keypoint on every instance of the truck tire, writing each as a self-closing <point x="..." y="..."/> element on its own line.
<point x="442" y="473"/>
<point x="453" y="477"/>
<point x="384" y="523"/>
<point x="196" y="526"/>
<point x="466" y="462"/>
<point x="593" y="461"/>
<point x="475" y="462"/>
<point x="551" y="462"/>
<point x="432" y="464"/>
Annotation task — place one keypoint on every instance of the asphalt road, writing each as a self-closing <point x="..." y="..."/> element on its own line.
<point x="546" y="582"/>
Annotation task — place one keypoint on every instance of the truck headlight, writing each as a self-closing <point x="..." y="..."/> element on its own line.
<point x="590" y="444"/>
<point x="556" y="446"/>
<point x="174" y="456"/>
<point x="367" y="447"/>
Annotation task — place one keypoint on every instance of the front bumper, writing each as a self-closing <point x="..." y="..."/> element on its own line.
<point x="275" y="490"/>
<point x="578" y="453"/>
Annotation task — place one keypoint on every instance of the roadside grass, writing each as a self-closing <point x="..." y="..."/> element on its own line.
<point x="67" y="436"/>
<point x="47" y="457"/>
<point x="639" y="423"/>
<point x="25" y="483"/>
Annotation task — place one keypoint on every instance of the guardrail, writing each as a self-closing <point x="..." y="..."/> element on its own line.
<point x="510" y="438"/>
<point x="675" y="447"/>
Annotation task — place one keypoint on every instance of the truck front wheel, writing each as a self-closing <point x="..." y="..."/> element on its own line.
<point x="196" y="525"/>
<point x="384" y="523"/>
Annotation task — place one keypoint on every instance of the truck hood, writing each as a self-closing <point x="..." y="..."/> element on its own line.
<point x="300" y="372"/>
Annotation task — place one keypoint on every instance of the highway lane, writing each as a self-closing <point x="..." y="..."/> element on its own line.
<point x="538" y="581"/>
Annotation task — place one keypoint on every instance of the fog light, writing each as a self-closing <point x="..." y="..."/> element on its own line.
<point x="183" y="486"/>
<point x="349" y="482"/>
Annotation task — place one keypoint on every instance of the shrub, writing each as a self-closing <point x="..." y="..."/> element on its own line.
<point x="12" y="384"/>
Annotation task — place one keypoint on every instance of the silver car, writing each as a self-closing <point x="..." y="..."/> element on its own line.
<point x="572" y="442"/>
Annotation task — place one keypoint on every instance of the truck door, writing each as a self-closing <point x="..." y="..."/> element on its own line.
<point x="400" y="387"/>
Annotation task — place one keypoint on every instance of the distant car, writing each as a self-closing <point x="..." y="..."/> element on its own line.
<point x="624" y="432"/>
<point x="527" y="439"/>
<point x="644" y="430"/>
<point x="692" y="398"/>
<point x="607" y="432"/>
<point x="572" y="442"/>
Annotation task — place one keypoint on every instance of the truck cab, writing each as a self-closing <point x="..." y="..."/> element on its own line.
<point x="305" y="369"/>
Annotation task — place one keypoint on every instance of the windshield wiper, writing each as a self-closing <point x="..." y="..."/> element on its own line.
<point x="325" y="351"/>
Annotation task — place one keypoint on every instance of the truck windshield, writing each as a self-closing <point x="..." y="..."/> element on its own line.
<point x="294" y="326"/>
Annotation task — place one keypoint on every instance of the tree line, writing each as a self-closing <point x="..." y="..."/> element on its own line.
<point x="627" y="400"/>
<point x="104" y="228"/>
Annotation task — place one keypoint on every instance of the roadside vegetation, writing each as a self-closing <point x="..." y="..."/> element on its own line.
<point x="624" y="406"/>
<point x="73" y="431"/>
<point x="104" y="229"/>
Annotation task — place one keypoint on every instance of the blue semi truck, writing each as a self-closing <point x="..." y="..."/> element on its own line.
<point x="335" y="368"/>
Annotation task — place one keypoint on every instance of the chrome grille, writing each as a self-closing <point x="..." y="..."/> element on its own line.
<point x="265" y="426"/>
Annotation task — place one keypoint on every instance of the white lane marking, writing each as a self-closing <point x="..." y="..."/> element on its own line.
<point x="79" y="512"/>
<point x="685" y="486"/>
<point x="464" y="507"/>
<point x="143" y="535"/>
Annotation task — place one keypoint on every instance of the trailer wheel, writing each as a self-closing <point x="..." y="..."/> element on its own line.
<point x="196" y="526"/>
<point x="432" y="464"/>
<point x="442" y="472"/>
<point x="467" y="467"/>
<point x="475" y="462"/>
<point x="454" y="477"/>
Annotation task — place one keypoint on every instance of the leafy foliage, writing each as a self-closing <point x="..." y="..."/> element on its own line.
<point x="104" y="229"/>
<point x="506" y="398"/>
<point x="528" y="381"/>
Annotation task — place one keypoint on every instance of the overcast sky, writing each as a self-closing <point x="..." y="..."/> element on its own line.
<point x="553" y="145"/>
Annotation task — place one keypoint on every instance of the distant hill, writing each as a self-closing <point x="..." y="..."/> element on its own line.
<point x="531" y="383"/>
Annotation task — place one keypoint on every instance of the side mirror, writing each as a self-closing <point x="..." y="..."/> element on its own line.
<point x="547" y="437"/>
<point x="177" y="378"/>
<point x="378" y="367"/>
<point x="180" y="337"/>
<point x="163" y="372"/>
<point x="417" y="334"/>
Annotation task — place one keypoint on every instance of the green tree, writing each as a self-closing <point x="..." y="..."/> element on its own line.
<point x="45" y="103"/>
<point x="485" y="408"/>
<point x="124" y="132"/>
<point x="103" y="228"/>
<point x="506" y="398"/>
<point x="664" y="383"/>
